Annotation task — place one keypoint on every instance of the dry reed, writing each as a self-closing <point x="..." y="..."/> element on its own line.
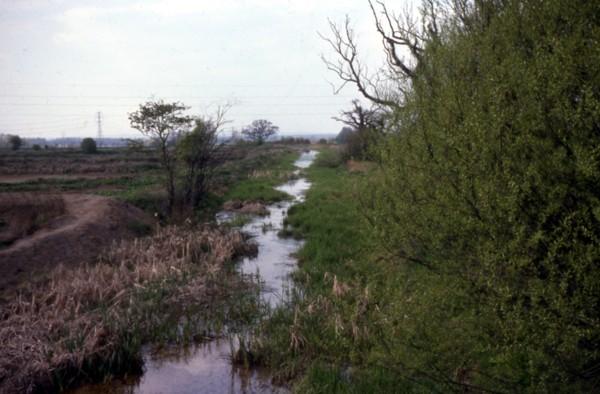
<point x="85" y="315"/>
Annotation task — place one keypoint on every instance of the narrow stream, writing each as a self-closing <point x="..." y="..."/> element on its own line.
<point x="206" y="368"/>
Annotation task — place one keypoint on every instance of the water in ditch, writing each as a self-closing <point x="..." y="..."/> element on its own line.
<point x="206" y="368"/>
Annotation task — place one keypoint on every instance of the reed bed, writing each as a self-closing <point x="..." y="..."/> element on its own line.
<point x="89" y="321"/>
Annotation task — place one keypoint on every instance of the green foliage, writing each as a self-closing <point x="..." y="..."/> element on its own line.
<point x="364" y="131"/>
<point x="344" y="134"/>
<point x="88" y="145"/>
<point x="36" y="147"/>
<point x="474" y="266"/>
<point x="490" y="181"/>
<point x="255" y="190"/>
<point x="198" y="151"/>
<point x="329" y="158"/>
<point x="15" y="142"/>
<point x="256" y="178"/>
<point x="160" y="121"/>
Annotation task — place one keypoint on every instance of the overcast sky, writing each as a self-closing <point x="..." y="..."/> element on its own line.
<point x="61" y="62"/>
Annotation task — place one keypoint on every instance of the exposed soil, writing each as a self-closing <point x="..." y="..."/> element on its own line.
<point x="87" y="225"/>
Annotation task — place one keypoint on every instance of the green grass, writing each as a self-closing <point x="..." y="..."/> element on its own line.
<point x="256" y="178"/>
<point x="329" y="220"/>
<point x="355" y="320"/>
<point x="252" y="176"/>
<point x="310" y="340"/>
<point x="255" y="190"/>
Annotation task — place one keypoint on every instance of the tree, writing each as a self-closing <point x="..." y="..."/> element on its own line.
<point x="88" y="145"/>
<point x="344" y="135"/>
<point x="199" y="150"/>
<point x="15" y="142"/>
<point x="367" y="128"/>
<point x="260" y="130"/>
<point x="160" y="121"/>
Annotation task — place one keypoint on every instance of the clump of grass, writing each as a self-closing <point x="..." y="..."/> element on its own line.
<point x="256" y="189"/>
<point x="90" y="321"/>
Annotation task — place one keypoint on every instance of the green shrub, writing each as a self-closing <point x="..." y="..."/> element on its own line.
<point x="88" y="145"/>
<point x="490" y="182"/>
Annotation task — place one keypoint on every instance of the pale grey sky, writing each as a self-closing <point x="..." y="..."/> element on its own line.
<point x="63" y="61"/>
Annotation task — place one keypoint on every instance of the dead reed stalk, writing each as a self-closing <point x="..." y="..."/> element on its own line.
<point x="86" y="316"/>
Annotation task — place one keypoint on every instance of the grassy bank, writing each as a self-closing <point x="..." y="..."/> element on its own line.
<point x="256" y="178"/>
<point x="351" y="324"/>
<point x="325" y="339"/>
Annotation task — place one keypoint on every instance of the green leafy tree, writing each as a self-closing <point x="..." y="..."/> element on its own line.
<point x="200" y="152"/>
<point x="161" y="122"/>
<point x="88" y="145"/>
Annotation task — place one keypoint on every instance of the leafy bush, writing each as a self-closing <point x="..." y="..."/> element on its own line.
<point x="479" y="269"/>
<point x="490" y="182"/>
<point x="88" y="145"/>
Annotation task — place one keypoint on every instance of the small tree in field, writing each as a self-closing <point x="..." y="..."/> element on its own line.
<point x="365" y="129"/>
<point x="15" y="142"/>
<point x="260" y="130"/>
<point x="199" y="151"/>
<point x="160" y="121"/>
<point x="88" y="145"/>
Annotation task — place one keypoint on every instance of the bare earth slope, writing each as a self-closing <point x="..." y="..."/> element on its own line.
<point x="89" y="225"/>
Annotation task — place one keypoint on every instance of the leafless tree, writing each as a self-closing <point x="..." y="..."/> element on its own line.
<point x="260" y="130"/>
<point x="404" y="38"/>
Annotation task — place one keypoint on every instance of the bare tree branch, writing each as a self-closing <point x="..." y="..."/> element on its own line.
<point x="403" y="41"/>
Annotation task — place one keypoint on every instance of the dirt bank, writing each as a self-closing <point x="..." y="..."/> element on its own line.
<point x="85" y="228"/>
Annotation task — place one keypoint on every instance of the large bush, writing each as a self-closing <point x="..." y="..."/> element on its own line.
<point x="490" y="184"/>
<point x="88" y="145"/>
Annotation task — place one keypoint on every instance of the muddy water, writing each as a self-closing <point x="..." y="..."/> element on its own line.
<point x="206" y="368"/>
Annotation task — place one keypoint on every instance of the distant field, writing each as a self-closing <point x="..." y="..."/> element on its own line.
<point x="133" y="176"/>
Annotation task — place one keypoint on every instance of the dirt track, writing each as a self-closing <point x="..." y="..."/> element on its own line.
<point x="89" y="225"/>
